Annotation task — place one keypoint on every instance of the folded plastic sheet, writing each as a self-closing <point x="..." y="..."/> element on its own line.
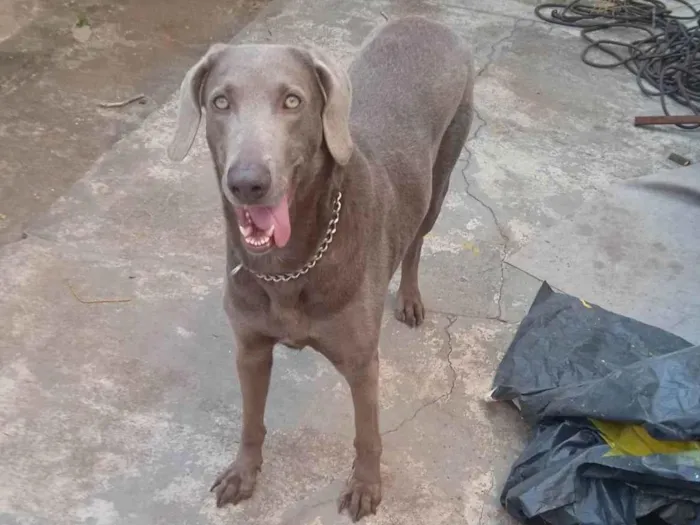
<point x="614" y="406"/>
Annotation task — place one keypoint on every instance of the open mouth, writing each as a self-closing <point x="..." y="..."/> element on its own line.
<point x="264" y="227"/>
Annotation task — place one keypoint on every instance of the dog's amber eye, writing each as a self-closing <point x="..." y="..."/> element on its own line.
<point x="221" y="102"/>
<point x="292" y="102"/>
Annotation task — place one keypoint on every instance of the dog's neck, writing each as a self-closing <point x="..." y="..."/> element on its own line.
<point x="310" y="211"/>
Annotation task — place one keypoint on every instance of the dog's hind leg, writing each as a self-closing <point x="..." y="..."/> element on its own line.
<point x="409" y="305"/>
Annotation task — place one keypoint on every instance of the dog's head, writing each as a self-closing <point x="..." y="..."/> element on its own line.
<point x="270" y="112"/>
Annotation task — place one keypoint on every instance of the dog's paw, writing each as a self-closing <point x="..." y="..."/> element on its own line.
<point x="409" y="308"/>
<point x="360" y="499"/>
<point x="235" y="484"/>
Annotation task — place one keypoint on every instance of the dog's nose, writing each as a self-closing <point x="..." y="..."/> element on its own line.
<point x="249" y="182"/>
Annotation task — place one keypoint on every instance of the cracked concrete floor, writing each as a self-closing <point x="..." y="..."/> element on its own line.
<point x="118" y="398"/>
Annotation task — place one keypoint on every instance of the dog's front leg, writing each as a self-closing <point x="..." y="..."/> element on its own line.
<point x="254" y="364"/>
<point x="363" y="491"/>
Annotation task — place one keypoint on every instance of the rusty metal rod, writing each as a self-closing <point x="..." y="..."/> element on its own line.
<point x="666" y="119"/>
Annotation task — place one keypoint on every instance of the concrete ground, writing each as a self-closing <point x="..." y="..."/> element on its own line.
<point x="118" y="397"/>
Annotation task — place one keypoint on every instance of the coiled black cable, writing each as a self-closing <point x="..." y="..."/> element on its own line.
<point x="666" y="60"/>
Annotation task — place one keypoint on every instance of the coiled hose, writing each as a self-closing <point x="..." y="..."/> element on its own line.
<point x="666" y="60"/>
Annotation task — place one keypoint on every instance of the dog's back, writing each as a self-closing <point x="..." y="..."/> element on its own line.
<point x="408" y="80"/>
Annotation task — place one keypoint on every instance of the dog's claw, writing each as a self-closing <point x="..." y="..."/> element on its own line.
<point x="234" y="484"/>
<point x="360" y="499"/>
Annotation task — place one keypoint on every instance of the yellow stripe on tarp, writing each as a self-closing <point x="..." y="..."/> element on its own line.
<point x="634" y="440"/>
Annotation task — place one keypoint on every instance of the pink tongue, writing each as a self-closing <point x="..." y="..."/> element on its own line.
<point x="264" y="217"/>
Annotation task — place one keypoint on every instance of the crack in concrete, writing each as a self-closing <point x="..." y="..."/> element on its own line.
<point x="451" y="321"/>
<point x="505" y="240"/>
<point x="472" y="317"/>
<point x="486" y="493"/>
<point x="453" y="382"/>
<point x="496" y="45"/>
<point x="489" y="61"/>
<point x="518" y="268"/>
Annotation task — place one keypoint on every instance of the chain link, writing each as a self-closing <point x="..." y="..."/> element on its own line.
<point x="323" y="247"/>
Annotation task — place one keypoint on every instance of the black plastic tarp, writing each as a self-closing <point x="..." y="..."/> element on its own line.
<point x="614" y="406"/>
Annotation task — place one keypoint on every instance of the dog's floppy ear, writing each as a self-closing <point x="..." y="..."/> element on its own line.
<point x="190" y="105"/>
<point x="337" y="91"/>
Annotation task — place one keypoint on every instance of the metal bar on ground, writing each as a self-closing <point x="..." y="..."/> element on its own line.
<point x="666" y="119"/>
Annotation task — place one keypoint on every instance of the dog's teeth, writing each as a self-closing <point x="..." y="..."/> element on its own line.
<point x="258" y="241"/>
<point x="269" y="232"/>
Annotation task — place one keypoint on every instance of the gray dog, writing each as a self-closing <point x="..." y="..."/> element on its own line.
<point x="329" y="180"/>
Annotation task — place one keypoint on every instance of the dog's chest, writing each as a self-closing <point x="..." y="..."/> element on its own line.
<point x="287" y="312"/>
<point x="289" y="323"/>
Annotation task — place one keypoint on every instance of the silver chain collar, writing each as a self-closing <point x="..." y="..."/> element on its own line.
<point x="323" y="247"/>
